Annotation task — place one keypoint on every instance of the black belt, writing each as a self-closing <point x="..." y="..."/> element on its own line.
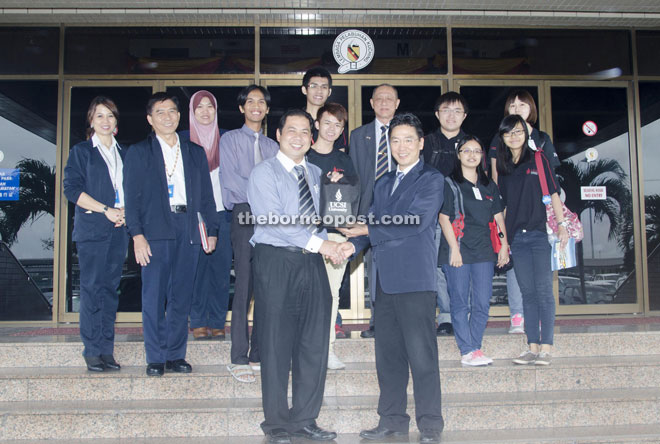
<point x="178" y="208"/>
<point x="296" y="250"/>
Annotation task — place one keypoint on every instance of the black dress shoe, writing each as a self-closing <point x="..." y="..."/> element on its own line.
<point x="110" y="362"/>
<point x="178" y="366"/>
<point x="426" y="435"/>
<point x="380" y="432"/>
<point x="370" y="333"/>
<point x="445" y="329"/>
<point x="278" y="436"/>
<point x="94" y="363"/>
<point x="315" y="433"/>
<point x="155" y="369"/>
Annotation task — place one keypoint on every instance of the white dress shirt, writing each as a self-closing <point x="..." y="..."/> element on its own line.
<point x="174" y="167"/>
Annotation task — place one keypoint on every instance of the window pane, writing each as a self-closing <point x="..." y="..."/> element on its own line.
<point x="606" y="261"/>
<point x="29" y="50"/>
<point x="28" y="117"/>
<point x="648" y="62"/>
<point x="133" y="127"/>
<point x="541" y="51"/>
<point x="397" y="50"/>
<point x="649" y="95"/>
<point x="156" y="50"/>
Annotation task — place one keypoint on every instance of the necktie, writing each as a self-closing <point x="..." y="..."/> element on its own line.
<point x="305" y="201"/>
<point x="397" y="181"/>
<point x="382" y="165"/>
<point x="257" y="152"/>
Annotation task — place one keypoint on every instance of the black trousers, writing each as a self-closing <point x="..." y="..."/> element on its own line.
<point x="243" y="350"/>
<point x="408" y="341"/>
<point x="292" y="305"/>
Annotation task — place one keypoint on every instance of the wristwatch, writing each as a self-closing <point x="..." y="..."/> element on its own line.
<point x="105" y="208"/>
<point x="563" y="223"/>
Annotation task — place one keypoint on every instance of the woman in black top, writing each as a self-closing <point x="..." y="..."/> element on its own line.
<point x="525" y="222"/>
<point x="93" y="181"/>
<point x="471" y="201"/>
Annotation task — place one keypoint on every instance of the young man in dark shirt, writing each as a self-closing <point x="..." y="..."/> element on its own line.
<point x="317" y="87"/>
<point x="440" y="152"/>
<point x="330" y="122"/>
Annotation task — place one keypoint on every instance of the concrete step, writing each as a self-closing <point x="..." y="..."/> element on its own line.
<point x="66" y="351"/>
<point x="358" y="379"/>
<point x="68" y="420"/>
<point x="557" y="435"/>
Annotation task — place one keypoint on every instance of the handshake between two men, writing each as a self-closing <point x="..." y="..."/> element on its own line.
<point x="339" y="252"/>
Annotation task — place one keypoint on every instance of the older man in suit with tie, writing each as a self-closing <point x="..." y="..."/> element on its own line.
<point x="404" y="273"/>
<point x="166" y="184"/>
<point x="371" y="155"/>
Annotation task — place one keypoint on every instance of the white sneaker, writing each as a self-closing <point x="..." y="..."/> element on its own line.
<point x="334" y="363"/>
<point x="475" y="359"/>
<point x="484" y="357"/>
<point x="517" y="324"/>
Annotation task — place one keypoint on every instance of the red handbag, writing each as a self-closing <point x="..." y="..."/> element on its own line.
<point x="496" y="236"/>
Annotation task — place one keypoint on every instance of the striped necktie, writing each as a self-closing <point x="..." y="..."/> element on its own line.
<point x="397" y="181"/>
<point x="305" y="201"/>
<point x="382" y="164"/>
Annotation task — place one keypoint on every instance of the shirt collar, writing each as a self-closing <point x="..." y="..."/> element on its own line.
<point x="249" y="131"/>
<point x="407" y="170"/>
<point x="379" y="125"/>
<point x="96" y="142"/>
<point x="165" y="144"/>
<point x="287" y="163"/>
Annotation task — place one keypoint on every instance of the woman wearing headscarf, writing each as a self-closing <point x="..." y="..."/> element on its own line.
<point x="211" y="291"/>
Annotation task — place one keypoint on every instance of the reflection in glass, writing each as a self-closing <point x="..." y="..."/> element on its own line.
<point x="28" y="112"/>
<point x="649" y="97"/>
<point x="29" y="50"/>
<point x="606" y="262"/>
<point x="132" y="127"/>
<point x="398" y="50"/>
<point x="159" y="50"/>
<point x="603" y="53"/>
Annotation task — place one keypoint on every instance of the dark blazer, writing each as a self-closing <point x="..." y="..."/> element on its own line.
<point x="145" y="190"/>
<point x="362" y="150"/>
<point x="86" y="171"/>
<point x="405" y="257"/>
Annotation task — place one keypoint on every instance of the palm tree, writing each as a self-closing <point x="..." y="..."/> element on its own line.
<point x="617" y="207"/>
<point x="36" y="197"/>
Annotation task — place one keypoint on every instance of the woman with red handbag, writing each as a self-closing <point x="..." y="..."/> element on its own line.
<point x="466" y="254"/>
<point x="526" y="224"/>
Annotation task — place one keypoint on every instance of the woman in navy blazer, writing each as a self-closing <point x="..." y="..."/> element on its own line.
<point x="93" y="181"/>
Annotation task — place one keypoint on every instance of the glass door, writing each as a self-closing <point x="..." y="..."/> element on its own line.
<point x="131" y="99"/>
<point x="591" y="130"/>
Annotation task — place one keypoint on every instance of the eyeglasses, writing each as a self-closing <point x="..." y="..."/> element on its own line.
<point x="516" y="133"/>
<point x="476" y="151"/>
<point x="408" y="141"/>
<point x="456" y="112"/>
<point x="324" y="86"/>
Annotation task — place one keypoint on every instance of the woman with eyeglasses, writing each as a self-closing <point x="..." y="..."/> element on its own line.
<point x="93" y="180"/>
<point x="520" y="102"/>
<point x="525" y="218"/>
<point x="471" y="202"/>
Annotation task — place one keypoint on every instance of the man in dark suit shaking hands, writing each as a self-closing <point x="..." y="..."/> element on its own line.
<point x="166" y="183"/>
<point x="404" y="265"/>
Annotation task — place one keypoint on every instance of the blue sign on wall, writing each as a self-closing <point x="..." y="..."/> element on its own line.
<point x="9" y="183"/>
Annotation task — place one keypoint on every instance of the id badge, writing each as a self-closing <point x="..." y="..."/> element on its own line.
<point x="477" y="193"/>
<point x="116" y="197"/>
<point x="546" y="199"/>
<point x="170" y="190"/>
